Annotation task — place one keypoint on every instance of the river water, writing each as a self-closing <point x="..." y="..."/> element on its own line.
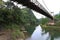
<point x="38" y="34"/>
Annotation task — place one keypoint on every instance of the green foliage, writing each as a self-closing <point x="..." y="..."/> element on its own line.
<point x="17" y="18"/>
<point x="54" y="30"/>
<point x="17" y="34"/>
<point x="43" y="20"/>
<point x="57" y="16"/>
<point x="1" y="2"/>
<point x="9" y="17"/>
<point x="29" y="20"/>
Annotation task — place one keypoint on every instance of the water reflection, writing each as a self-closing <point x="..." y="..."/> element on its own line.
<point x="39" y="35"/>
<point x="48" y="34"/>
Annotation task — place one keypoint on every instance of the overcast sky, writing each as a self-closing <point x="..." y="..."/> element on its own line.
<point x="52" y="5"/>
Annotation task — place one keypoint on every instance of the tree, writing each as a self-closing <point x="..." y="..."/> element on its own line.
<point x="44" y="21"/>
<point x="57" y="16"/>
<point x="15" y="19"/>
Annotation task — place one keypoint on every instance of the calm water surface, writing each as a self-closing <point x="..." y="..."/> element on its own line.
<point x="38" y="34"/>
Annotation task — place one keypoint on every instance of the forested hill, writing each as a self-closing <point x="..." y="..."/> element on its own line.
<point x="29" y="19"/>
<point x="17" y="20"/>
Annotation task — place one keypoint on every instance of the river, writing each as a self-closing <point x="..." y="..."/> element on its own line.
<point x="38" y="34"/>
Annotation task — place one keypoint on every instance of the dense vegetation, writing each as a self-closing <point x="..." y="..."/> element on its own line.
<point x="44" y="21"/>
<point x="17" y="20"/>
<point x="22" y="22"/>
<point x="54" y="30"/>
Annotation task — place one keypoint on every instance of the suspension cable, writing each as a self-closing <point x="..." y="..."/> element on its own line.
<point x="45" y="5"/>
<point x="48" y="10"/>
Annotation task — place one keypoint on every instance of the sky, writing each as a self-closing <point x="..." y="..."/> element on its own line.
<point x="50" y="5"/>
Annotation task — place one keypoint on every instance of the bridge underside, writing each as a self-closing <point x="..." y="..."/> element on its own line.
<point x="35" y="5"/>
